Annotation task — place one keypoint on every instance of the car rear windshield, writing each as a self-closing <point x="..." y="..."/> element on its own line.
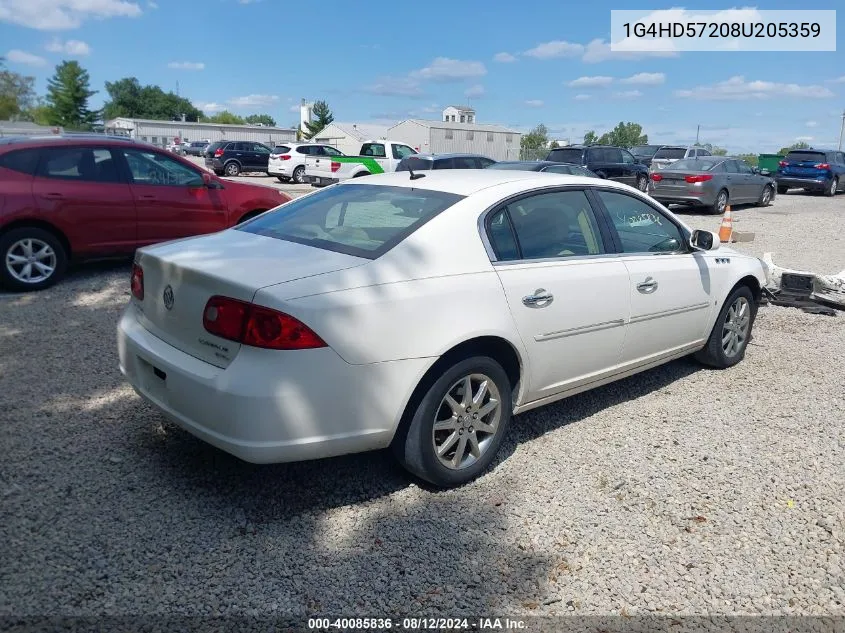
<point x="644" y="150"/>
<point x="572" y="155"/>
<point x="671" y="153"/>
<point x="414" y="164"/>
<point x="692" y="164"/>
<point x="281" y="149"/>
<point x="800" y="157"/>
<point x="512" y="165"/>
<point x="356" y="219"/>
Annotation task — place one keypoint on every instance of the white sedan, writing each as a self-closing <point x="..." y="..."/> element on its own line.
<point x="422" y="311"/>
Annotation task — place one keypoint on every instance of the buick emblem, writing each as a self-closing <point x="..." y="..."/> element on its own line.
<point x="168" y="297"/>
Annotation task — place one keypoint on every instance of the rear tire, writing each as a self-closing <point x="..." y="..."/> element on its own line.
<point x="642" y="182"/>
<point x="232" y="169"/>
<point x="832" y="188"/>
<point x="720" y="203"/>
<point x="459" y="450"/>
<point x="732" y="331"/>
<point x="48" y="263"/>
<point x="782" y="190"/>
<point x="299" y="175"/>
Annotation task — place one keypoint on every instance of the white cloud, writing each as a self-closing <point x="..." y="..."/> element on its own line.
<point x="838" y="80"/>
<point x="211" y="107"/>
<point x="504" y="58"/>
<point x="804" y="138"/>
<point x="645" y="79"/>
<point x="254" y="101"/>
<point x="294" y="108"/>
<point x="58" y="15"/>
<point x="446" y="69"/>
<point x="582" y="97"/>
<point x="535" y="103"/>
<point x="186" y="65"/>
<point x="738" y="89"/>
<point x="812" y="124"/>
<point x="395" y="87"/>
<point x="628" y="94"/>
<point x="152" y="5"/>
<point x="599" y="51"/>
<point x="555" y="48"/>
<point x="474" y="92"/>
<point x="74" y="48"/>
<point x="590" y="82"/>
<point x="22" y="57"/>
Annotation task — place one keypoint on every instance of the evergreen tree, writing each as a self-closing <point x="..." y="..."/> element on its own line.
<point x="68" y="92"/>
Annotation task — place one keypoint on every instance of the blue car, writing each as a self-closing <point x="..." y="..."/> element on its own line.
<point x="820" y="170"/>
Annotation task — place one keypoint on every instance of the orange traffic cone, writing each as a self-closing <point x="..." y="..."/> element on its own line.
<point x="727" y="228"/>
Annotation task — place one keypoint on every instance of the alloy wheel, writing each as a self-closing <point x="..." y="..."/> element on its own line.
<point x="722" y="201"/>
<point x="767" y="196"/>
<point x="232" y="169"/>
<point x="642" y="183"/>
<point x="467" y="421"/>
<point x="736" y="327"/>
<point x="31" y="261"/>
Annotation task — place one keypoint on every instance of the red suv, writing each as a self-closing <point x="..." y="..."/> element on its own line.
<point x="87" y="196"/>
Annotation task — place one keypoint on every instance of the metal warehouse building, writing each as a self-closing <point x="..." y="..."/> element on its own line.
<point x="441" y="137"/>
<point x="162" y="133"/>
<point x="348" y="137"/>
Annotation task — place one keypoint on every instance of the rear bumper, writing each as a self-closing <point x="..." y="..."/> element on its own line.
<point x="280" y="169"/>
<point x="320" y="181"/>
<point x="804" y="183"/>
<point x="214" y="164"/>
<point x="705" y="198"/>
<point x="269" y="406"/>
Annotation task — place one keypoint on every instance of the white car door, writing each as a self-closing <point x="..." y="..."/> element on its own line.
<point x="568" y="297"/>
<point x="670" y="286"/>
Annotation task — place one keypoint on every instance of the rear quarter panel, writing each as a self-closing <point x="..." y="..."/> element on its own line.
<point x="16" y="199"/>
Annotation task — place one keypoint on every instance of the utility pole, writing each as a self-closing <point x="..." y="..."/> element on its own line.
<point x="177" y="88"/>
<point x="841" y="130"/>
<point x="697" y="131"/>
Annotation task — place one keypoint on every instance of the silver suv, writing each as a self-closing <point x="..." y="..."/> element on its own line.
<point x="669" y="154"/>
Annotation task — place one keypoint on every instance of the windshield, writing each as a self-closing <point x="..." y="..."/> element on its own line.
<point x="800" y="157"/>
<point x="644" y="150"/>
<point x="672" y="153"/>
<point x="356" y="219"/>
<point x="691" y="164"/>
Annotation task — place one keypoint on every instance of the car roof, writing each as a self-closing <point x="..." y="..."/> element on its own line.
<point x="466" y="182"/>
<point x="59" y="139"/>
<point x="449" y="155"/>
<point x="813" y="149"/>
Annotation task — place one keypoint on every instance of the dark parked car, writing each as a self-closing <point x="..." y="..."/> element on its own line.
<point x="821" y="170"/>
<point x="425" y="162"/>
<point x="607" y="161"/>
<point x="545" y="166"/>
<point x="85" y="196"/>
<point x="644" y="153"/>
<point x="233" y="157"/>
<point x="194" y="148"/>
<point x="712" y="182"/>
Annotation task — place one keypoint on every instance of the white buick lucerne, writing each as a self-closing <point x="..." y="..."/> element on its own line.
<point x="422" y="311"/>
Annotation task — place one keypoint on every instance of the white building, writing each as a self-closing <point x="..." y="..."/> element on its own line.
<point x="162" y="133"/>
<point x="458" y="114"/>
<point x="348" y="137"/>
<point x="441" y="137"/>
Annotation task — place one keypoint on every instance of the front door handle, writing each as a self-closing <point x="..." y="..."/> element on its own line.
<point x="648" y="286"/>
<point x="54" y="196"/>
<point x="540" y="299"/>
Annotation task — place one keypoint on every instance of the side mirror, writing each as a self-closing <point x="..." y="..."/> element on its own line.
<point x="765" y="172"/>
<point x="704" y="240"/>
<point x="755" y="170"/>
<point x="207" y="180"/>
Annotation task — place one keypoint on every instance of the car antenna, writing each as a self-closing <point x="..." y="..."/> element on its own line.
<point x="415" y="176"/>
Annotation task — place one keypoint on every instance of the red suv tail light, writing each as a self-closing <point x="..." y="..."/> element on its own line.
<point x="822" y="166"/>
<point x="285" y="156"/>
<point x="218" y="152"/>
<point x="335" y="166"/>
<point x="656" y="177"/>
<point x="702" y="178"/>
<point x="137" y="283"/>
<point x="257" y="326"/>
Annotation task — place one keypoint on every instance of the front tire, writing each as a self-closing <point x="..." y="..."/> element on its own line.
<point x="732" y="331"/>
<point x="831" y="190"/>
<point x="32" y="259"/>
<point x="766" y="196"/>
<point x="459" y="424"/>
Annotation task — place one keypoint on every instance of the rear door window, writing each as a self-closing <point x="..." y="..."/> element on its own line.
<point x="87" y="164"/>
<point x="731" y="167"/>
<point x="465" y="162"/>
<point x="444" y="163"/>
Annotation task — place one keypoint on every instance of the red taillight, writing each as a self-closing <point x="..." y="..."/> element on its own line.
<point x="137" y="283"/>
<point x="285" y="157"/>
<point x="218" y="152"/>
<point x="822" y="166"/>
<point x="701" y="178"/>
<point x="257" y="326"/>
<point x="783" y="163"/>
<point x="656" y="177"/>
<point x="335" y="166"/>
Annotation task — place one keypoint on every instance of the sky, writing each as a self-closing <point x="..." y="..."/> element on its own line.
<point x="517" y="64"/>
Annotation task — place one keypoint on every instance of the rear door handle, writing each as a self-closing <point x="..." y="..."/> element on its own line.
<point x="148" y="196"/>
<point x="648" y="286"/>
<point x="540" y="299"/>
<point x="54" y="196"/>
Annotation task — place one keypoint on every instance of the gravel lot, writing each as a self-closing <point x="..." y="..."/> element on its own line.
<point x="681" y="490"/>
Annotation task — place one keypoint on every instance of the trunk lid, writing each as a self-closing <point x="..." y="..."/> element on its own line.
<point x="181" y="276"/>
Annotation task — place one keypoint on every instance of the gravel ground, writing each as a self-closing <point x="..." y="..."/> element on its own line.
<point x="681" y="490"/>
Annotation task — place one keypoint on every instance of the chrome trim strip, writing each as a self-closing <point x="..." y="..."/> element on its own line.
<point x="656" y="315"/>
<point x="584" y="329"/>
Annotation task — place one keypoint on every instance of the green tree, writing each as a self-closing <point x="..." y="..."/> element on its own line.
<point x="128" y="98"/>
<point x="225" y="117"/>
<point x="590" y="138"/>
<point x="625" y="135"/>
<point x="17" y="93"/>
<point x="322" y="116"/>
<point x="783" y="151"/>
<point x="264" y="119"/>
<point x="537" y="138"/>
<point x="68" y="92"/>
<point x="554" y="145"/>
<point x="751" y="159"/>
<point x="719" y="151"/>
